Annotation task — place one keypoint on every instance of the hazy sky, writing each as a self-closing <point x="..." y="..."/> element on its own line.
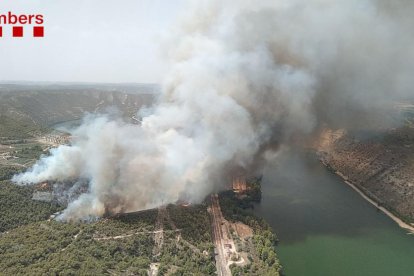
<point x="89" y="41"/>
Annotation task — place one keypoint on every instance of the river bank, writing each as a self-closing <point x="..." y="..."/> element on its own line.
<point x="324" y="227"/>
<point x="377" y="205"/>
<point x="380" y="164"/>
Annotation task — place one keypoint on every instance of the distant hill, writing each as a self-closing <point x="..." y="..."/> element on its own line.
<point x="47" y="104"/>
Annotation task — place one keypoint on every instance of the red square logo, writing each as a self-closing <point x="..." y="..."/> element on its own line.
<point x="17" y="31"/>
<point x="38" y="31"/>
<point x="1" y="31"/>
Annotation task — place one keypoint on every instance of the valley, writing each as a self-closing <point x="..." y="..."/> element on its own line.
<point x="169" y="240"/>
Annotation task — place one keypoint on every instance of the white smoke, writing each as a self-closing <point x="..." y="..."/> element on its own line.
<point x="245" y="75"/>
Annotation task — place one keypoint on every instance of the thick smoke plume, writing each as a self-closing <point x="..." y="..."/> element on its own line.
<point x="246" y="76"/>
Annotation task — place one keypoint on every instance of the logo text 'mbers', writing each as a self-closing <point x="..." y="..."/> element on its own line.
<point x="19" y="24"/>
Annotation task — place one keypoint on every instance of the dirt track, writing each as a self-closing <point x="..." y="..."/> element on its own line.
<point x="217" y="220"/>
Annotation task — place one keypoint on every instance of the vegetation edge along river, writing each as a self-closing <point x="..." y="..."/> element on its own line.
<point x="380" y="164"/>
<point x="324" y="227"/>
<point x="364" y="194"/>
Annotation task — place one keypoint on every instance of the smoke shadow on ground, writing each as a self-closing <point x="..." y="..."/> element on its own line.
<point x="302" y="198"/>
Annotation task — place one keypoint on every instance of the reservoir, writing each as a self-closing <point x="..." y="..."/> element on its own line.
<point x="327" y="229"/>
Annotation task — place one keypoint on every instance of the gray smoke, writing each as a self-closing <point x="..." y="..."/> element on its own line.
<point x="247" y="76"/>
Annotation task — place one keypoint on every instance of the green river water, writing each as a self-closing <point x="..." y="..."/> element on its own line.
<point x="327" y="229"/>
